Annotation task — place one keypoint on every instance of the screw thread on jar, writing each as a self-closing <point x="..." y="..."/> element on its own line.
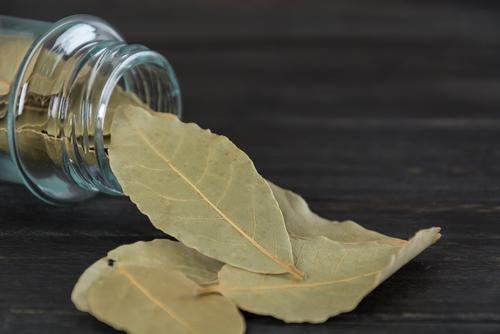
<point x="66" y="83"/>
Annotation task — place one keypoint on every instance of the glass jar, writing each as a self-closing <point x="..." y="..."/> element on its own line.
<point x="57" y="82"/>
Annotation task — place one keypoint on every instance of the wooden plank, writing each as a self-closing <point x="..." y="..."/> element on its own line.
<point x="194" y="20"/>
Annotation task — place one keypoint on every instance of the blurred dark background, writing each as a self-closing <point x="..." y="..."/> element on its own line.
<point x="385" y="112"/>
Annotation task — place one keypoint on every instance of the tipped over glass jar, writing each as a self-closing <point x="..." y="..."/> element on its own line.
<point x="57" y="82"/>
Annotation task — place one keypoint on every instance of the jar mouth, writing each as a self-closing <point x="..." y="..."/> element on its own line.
<point x="144" y="75"/>
<point x="104" y="63"/>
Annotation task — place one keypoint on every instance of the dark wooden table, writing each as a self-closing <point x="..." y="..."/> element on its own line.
<point x="385" y="112"/>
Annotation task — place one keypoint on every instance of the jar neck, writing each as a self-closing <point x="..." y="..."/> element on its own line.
<point x="70" y="83"/>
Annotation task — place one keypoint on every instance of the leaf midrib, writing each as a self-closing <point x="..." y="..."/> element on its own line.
<point x="287" y="267"/>
<point x="297" y="285"/>
<point x="147" y="294"/>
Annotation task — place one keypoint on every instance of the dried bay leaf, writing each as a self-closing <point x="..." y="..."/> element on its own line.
<point x="339" y="275"/>
<point x="144" y="300"/>
<point x="201" y="189"/>
<point x="150" y="287"/>
<point x="301" y="222"/>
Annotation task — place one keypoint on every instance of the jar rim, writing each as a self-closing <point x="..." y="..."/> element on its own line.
<point x="130" y="57"/>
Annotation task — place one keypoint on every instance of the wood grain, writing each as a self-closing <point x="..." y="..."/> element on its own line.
<point x="384" y="112"/>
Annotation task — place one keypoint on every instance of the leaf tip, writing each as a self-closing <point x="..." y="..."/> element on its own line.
<point x="437" y="233"/>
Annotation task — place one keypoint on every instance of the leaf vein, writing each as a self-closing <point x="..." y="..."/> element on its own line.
<point x="285" y="266"/>
<point x="155" y="301"/>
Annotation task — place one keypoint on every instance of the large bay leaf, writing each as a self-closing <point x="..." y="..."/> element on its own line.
<point x="150" y="287"/>
<point x="339" y="275"/>
<point x="301" y="222"/>
<point x="145" y="300"/>
<point x="200" y="188"/>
